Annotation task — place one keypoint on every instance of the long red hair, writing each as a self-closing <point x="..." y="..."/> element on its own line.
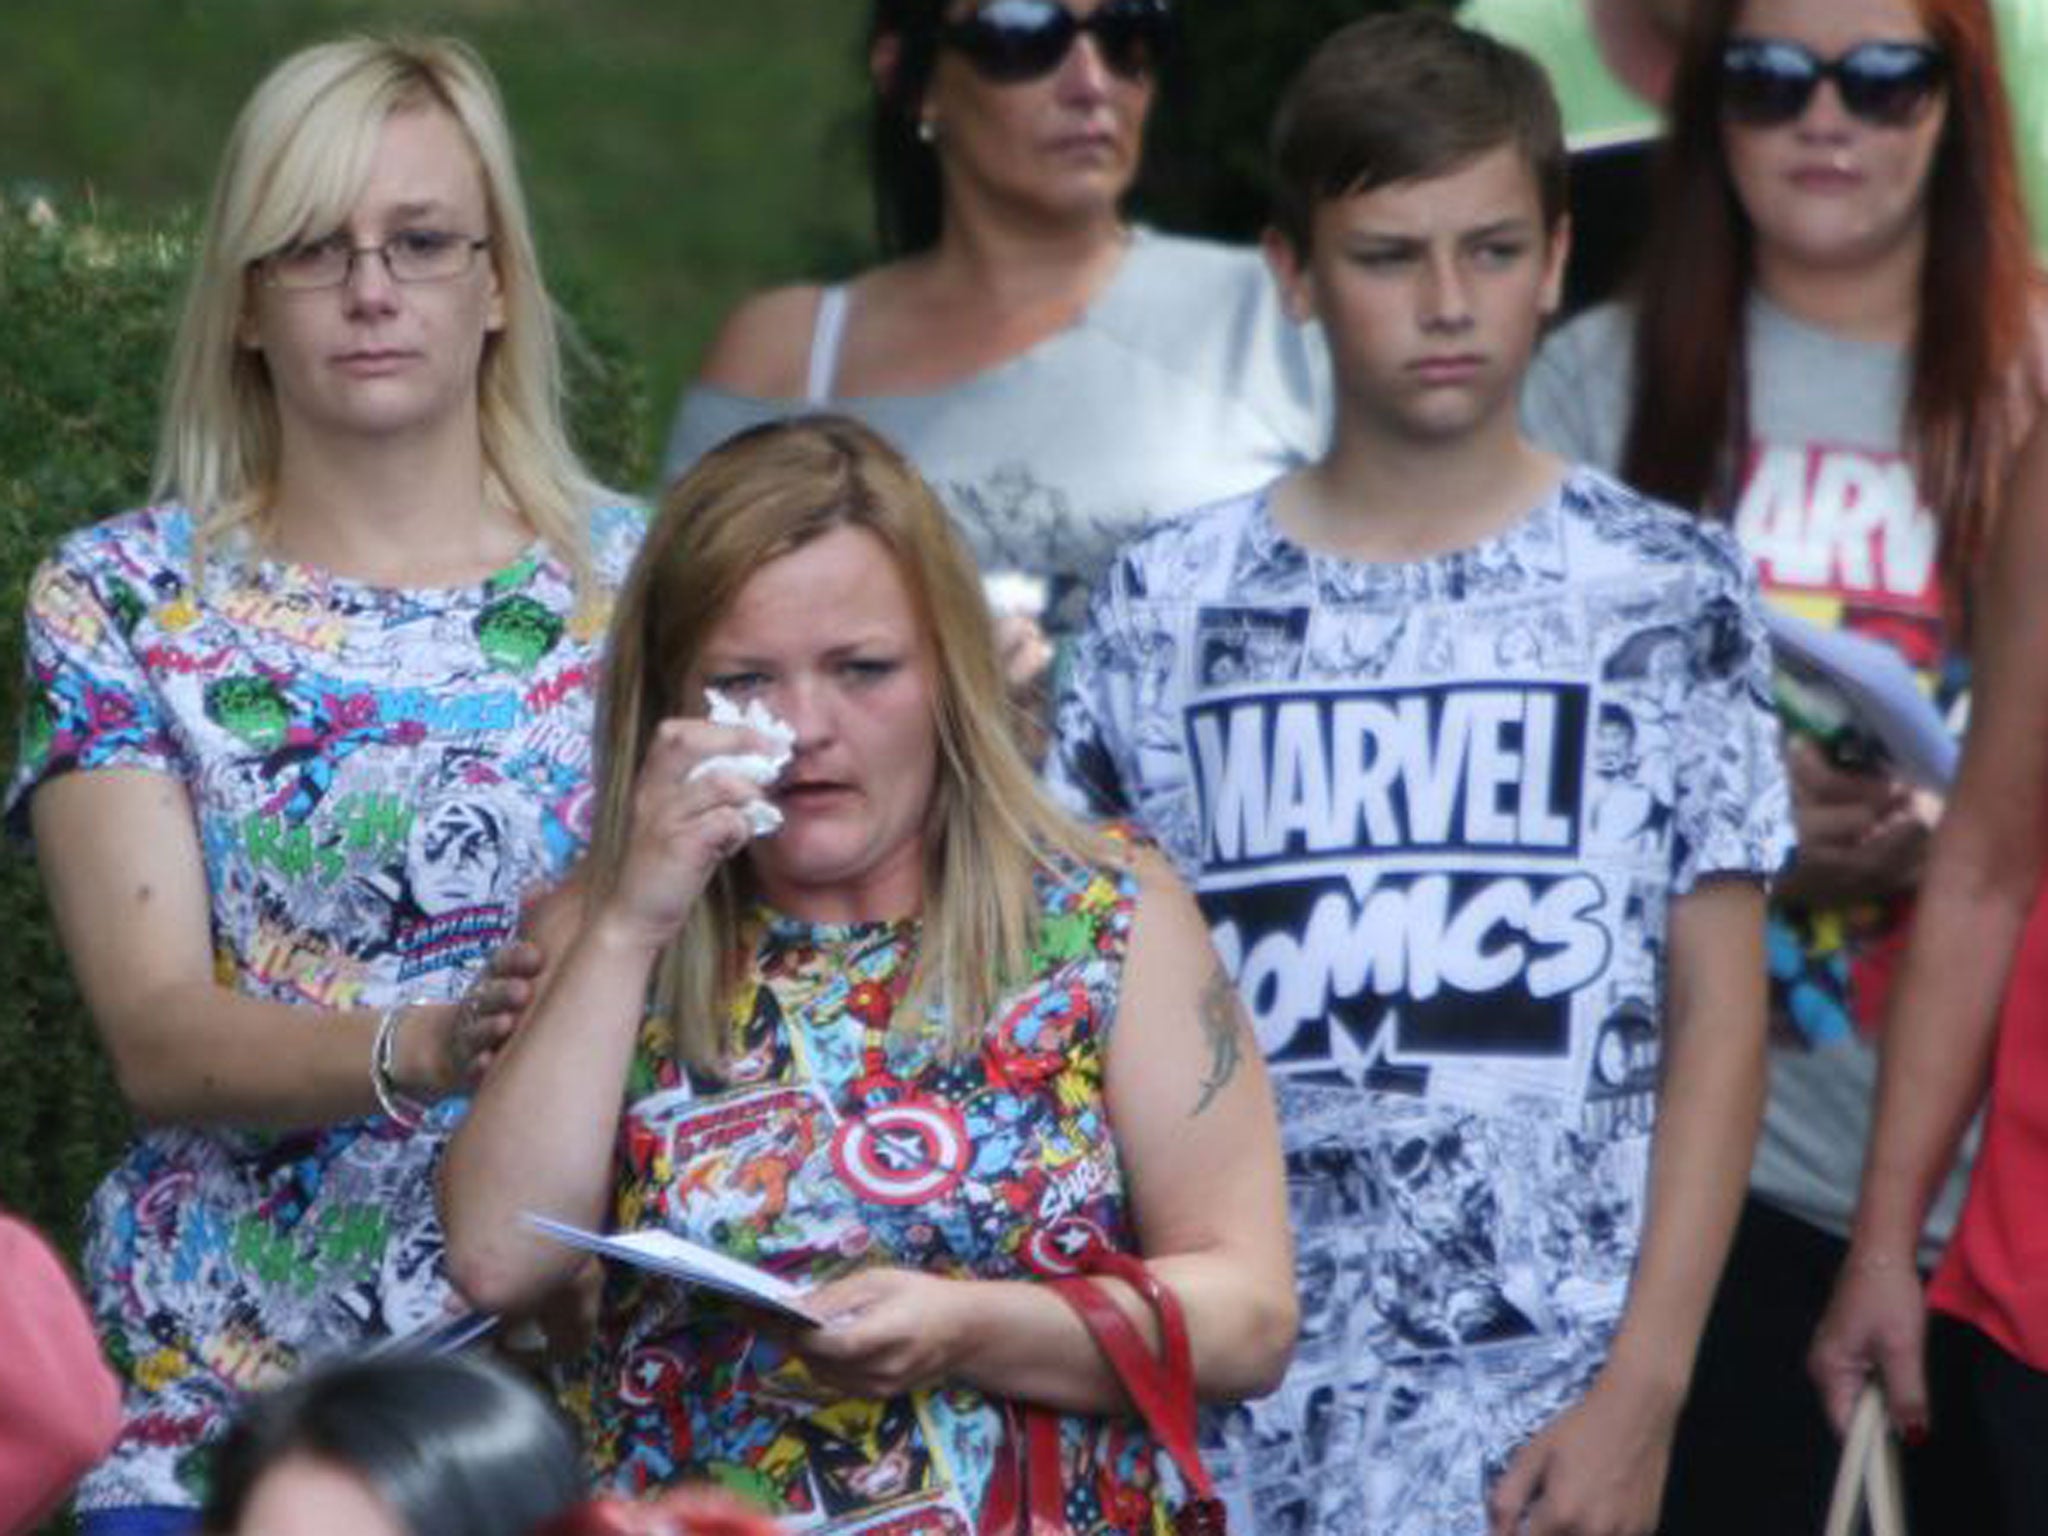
<point x="1689" y="430"/>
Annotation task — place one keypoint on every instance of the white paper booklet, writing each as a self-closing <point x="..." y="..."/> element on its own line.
<point x="1879" y="689"/>
<point x="691" y="1263"/>
<point x="444" y="1336"/>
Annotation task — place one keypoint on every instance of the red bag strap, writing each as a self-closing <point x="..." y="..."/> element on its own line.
<point x="1027" y="1495"/>
<point x="1027" y="1492"/>
<point x="1162" y="1386"/>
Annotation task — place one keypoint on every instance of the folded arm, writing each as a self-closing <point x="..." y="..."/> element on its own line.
<point x="1194" y="1124"/>
<point x="120" y="858"/>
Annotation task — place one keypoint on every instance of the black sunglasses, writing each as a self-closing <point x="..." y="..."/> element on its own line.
<point x="1009" y="41"/>
<point x="1766" y="83"/>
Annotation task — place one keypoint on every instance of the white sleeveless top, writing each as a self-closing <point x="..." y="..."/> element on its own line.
<point x="1184" y="382"/>
<point x="828" y="330"/>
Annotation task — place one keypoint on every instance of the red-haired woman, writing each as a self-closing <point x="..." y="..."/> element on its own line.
<point x="1826" y="346"/>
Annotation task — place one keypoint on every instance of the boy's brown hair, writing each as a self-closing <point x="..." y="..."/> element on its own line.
<point x="1404" y="95"/>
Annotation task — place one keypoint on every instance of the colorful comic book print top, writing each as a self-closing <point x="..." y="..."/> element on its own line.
<point x="1436" y="813"/>
<point x="824" y="1149"/>
<point x="376" y="776"/>
<point x="1841" y="536"/>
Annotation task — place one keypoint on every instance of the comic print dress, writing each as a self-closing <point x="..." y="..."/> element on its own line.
<point x="828" y="1145"/>
<point x="376" y="775"/>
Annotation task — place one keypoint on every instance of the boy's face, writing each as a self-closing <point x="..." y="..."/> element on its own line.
<point x="1432" y="294"/>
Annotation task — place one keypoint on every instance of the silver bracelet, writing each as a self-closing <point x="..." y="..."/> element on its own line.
<point x="393" y="1100"/>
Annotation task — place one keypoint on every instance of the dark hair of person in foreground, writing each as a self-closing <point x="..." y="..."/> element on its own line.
<point x="453" y="1444"/>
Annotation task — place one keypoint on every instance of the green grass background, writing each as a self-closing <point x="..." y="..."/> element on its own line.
<point x="677" y="152"/>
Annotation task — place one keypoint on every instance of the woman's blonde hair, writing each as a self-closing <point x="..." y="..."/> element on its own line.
<point x="297" y="161"/>
<point x="755" y="498"/>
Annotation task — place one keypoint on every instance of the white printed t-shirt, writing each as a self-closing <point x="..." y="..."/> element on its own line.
<point x="1435" y="813"/>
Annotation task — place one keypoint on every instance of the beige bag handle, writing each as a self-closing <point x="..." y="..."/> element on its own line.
<point x="1867" y="1480"/>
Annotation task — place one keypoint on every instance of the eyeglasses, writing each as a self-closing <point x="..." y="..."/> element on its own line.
<point x="410" y="256"/>
<point x="1011" y="41"/>
<point x="1766" y="83"/>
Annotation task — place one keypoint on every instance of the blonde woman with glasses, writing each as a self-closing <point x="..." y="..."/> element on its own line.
<point x="301" y="733"/>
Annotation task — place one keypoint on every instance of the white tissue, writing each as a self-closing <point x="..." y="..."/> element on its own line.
<point x="762" y="768"/>
<point x="1017" y="592"/>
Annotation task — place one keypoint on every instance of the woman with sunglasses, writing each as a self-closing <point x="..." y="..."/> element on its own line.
<point x="1827" y="345"/>
<point x="1058" y="374"/>
<point x="300" y="734"/>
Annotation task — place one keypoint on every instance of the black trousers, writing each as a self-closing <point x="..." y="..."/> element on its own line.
<point x="1755" y="1455"/>
<point x="2011" y="1400"/>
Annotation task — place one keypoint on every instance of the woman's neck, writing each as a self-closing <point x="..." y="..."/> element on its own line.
<point x="407" y="512"/>
<point x="891" y="892"/>
<point x="1007" y="263"/>
<point x="986" y="293"/>
<point x="1876" y="301"/>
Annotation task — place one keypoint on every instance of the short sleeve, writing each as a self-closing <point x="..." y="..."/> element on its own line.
<point x="1733" y="813"/>
<point x="1578" y="393"/>
<point x="88" y="702"/>
<point x="617" y="529"/>
<point x="706" y="417"/>
<point x="1091" y="718"/>
<point x="1281" y="370"/>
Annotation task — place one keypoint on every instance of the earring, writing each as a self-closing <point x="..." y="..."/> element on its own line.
<point x="927" y="131"/>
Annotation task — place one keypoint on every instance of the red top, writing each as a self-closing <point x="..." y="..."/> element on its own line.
<point x="59" y="1404"/>
<point x="1995" y="1272"/>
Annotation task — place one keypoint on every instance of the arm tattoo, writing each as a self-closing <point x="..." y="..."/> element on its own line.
<point x="1223" y="1028"/>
